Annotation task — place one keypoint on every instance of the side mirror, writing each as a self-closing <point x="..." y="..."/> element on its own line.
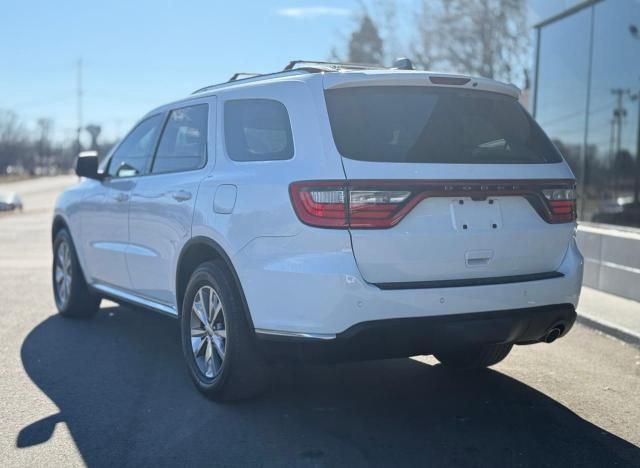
<point x="87" y="165"/>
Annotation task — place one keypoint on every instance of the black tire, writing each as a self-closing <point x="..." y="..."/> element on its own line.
<point x="241" y="373"/>
<point x="78" y="301"/>
<point x="476" y="357"/>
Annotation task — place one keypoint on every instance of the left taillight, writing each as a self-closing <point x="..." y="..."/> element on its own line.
<point x="320" y="204"/>
<point x="336" y="205"/>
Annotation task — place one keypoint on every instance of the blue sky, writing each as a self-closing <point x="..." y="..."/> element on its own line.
<point x="139" y="54"/>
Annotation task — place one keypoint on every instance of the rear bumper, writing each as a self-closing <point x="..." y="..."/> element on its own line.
<point x="309" y="286"/>
<point x="427" y="335"/>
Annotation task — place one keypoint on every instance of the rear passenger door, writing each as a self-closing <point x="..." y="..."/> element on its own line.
<point x="161" y="207"/>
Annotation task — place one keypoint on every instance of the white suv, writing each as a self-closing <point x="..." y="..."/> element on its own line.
<point x="329" y="211"/>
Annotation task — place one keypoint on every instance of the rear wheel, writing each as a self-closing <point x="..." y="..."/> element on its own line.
<point x="475" y="357"/>
<point x="217" y="341"/>
<point x="71" y="293"/>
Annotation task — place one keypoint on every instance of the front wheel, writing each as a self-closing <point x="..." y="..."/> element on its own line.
<point x="217" y="341"/>
<point x="70" y="291"/>
<point x="476" y="357"/>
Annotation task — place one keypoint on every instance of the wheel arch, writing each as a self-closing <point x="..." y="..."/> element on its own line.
<point x="59" y="223"/>
<point x="196" y="251"/>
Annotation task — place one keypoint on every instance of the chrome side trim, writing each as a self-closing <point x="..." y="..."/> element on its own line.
<point x="141" y="301"/>
<point x="310" y="336"/>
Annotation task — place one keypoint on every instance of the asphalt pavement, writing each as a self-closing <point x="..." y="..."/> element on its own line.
<point x="113" y="391"/>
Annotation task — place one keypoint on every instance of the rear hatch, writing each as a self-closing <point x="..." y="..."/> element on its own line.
<point x="448" y="183"/>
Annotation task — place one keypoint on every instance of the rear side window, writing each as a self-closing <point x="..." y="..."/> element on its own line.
<point x="183" y="144"/>
<point x="257" y="130"/>
<point x="419" y="124"/>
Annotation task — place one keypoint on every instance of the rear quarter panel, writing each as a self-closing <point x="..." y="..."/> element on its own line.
<point x="263" y="207"/>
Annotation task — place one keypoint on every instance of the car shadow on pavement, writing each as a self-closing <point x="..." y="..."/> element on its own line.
<point x="125" y="396"/>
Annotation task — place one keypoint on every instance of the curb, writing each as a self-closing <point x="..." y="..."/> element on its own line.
<point x="616" y="331"/>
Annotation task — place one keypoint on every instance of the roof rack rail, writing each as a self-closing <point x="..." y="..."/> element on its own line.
<point x="322" y="66"/>
<point x="248" y="77"/>
<point x="310" y="66"/>
<point x="243" y="75"/>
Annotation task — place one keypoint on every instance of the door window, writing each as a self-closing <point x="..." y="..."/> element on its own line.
<point x="134" y="153"/>
<point x="183" y="145"/>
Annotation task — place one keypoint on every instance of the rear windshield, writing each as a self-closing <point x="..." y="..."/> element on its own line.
<point x="418" y="124"/>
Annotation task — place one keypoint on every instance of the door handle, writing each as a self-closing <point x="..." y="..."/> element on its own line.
<point x="181" y="195"/>
<point x="121" y="197"/>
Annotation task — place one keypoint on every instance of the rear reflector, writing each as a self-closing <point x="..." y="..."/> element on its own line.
<point x="383" y="204"/>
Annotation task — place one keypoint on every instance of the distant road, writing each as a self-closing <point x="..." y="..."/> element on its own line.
<point x="38" y="192"/>
<point x="113" y="391"/>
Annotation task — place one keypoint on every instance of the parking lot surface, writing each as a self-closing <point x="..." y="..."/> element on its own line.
<point x="113" y="391"/>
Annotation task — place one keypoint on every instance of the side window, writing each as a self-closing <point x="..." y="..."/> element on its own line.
<point x="257" y="130"/>
<point x="183" y="144"/>
<point x="134" y="153"/>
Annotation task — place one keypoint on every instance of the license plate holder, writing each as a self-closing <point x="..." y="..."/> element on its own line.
<point x="475" y="215"/>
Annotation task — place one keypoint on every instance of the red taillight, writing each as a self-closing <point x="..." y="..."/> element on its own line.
<point x="562" y="204"/>
<point x="320" y="204"/>
<point x="383" y="204"/>
<point x="331" y="204"/>
<point x="376" y="208"/>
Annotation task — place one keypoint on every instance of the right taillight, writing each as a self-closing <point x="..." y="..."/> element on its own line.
<point x="561" y="203"/>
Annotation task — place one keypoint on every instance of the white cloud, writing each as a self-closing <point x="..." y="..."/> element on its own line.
<point x="313" y="12"/>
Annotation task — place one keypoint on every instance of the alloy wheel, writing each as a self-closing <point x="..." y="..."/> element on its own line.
<point x="63" y="275"/>
<point x="208" y="331"/>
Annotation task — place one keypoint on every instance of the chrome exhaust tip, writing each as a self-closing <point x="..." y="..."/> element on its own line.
<point x="552" y="335"/>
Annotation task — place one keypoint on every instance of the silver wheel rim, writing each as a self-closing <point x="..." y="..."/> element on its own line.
<point x="63" y="272"/>
<point x="208" y="331"/>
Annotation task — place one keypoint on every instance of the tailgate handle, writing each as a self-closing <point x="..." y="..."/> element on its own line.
<point x="478" y="257"/>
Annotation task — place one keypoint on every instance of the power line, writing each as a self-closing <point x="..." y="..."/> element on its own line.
<point x="579" y="113"/>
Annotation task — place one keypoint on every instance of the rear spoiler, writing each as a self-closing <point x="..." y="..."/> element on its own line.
<point x="416" y="78"/>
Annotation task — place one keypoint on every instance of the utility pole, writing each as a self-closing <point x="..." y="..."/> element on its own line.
<point x="636" y="177"/>
<point x="79" y="109"/>
<point x="618" y="114"/>
<point x="635" y="33"/>
<point x="613" y="179"/>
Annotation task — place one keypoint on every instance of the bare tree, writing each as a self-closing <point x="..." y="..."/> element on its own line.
<point x="375" y="36"/>
<point x="387" y="17"/>
<point x="13" y="140"/>
<point x="35" y="151"/>
<point x="424" y="49"/>
<point x="43" y="144"/>
<point x="483" y="37"/>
